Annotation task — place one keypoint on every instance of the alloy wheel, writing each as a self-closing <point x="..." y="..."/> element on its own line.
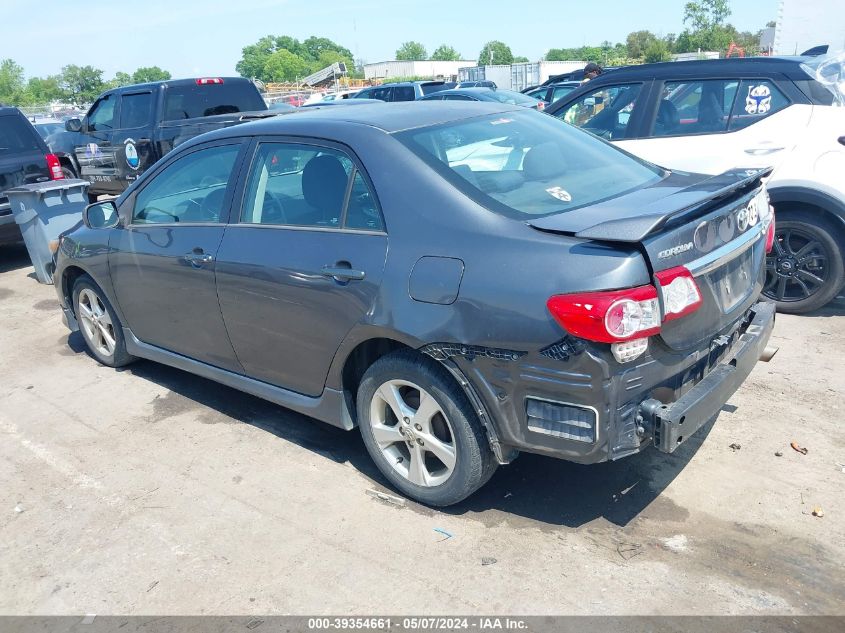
<point x="96" y="323"/>
<point x="413" y="433"/>
<point x="797" y="267"/>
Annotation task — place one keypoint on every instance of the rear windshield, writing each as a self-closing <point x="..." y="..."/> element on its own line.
<point x="526" y="164"/>
<point x="512" y="98"/>
<point x="17" y="135"/>
<point x="427" y="89"/>
<point x="191" y="101"/>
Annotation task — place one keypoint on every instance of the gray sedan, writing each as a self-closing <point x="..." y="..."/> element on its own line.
<point x="462" y="283"/>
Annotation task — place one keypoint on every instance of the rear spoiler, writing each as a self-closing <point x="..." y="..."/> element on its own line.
<point x="637" y="228"/>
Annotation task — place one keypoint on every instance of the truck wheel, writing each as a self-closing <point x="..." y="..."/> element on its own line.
<point x="99" y="324"/>
<point x="421" y="430"/>
<point x="804" y="271"/>
<point x="68" y="172"/>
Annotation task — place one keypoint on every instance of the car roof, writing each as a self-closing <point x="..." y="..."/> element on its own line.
<point x="716" y="67"/>
<point x="172" y="82"/>
<point x="390" y="118"/>
<point x="408" y="83"/>
<point x="470" y="90"/>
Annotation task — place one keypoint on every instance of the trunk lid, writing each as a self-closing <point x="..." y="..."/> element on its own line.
<point x="710" y="225"/>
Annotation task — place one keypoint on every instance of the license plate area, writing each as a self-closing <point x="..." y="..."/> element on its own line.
<point x="732" y="282"/>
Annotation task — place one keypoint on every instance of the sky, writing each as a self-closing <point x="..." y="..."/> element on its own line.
<point x="205" y="38"/>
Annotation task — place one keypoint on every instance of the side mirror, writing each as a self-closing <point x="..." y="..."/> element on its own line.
<point x="73" y="125"/>
<point x="101" y="215"/>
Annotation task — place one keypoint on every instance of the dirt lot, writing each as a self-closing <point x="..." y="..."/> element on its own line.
<point x="150" y="491"/>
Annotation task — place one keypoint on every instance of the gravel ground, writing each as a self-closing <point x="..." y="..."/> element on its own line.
<point x="150" y="491"/>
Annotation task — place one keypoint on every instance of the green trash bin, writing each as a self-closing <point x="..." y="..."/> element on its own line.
<point x="43" y="211"/>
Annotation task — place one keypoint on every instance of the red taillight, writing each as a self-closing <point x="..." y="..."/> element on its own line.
<point x="205" y="81"/>
<point x="770" y="232"/>
<point x="608" y="317"/>
<point x="622" y="315"/>
<point x="679" y="291"/>
<point x="55" y="167"/>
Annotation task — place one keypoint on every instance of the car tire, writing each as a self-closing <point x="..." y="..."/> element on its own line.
<point x="437" y="422"/>
<point x="100" y="327"/>
<point x="68" y="172"/>
<point x="805" y="269"/>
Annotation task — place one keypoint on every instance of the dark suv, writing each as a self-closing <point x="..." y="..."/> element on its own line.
<point x="24" y="159"/>
<point x="402" y="91"/>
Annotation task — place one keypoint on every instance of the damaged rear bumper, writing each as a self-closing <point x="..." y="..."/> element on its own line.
<point x="671" y="425"/>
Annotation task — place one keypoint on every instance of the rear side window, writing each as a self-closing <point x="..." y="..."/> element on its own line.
<point x="17" y="135"/>
<point x="135" y="110"/>
<point x="757" y="99"/>
<point x="189" y="101"/>
<point x="380" y="93"/>
<point x="404" y="93"/>
<point x="526" y="164"/>
<point x="427" y="89"/>
<point x="192" y="189"/>
<point x="306" y="185"/>
<point x="695" y="107"/>
<point x="605" y="112"/>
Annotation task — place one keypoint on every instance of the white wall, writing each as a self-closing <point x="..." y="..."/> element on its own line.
<point x="384" y="70"/>
<point x="802" y="24"/>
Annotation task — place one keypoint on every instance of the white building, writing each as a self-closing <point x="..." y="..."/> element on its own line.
<point x="804" y="24"/>
<point x="518" y="76"/>
<point x="429" y="68"/>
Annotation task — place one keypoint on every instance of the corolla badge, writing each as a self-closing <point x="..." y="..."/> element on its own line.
<point x="131" y="154"/>
<point x="675" y="250"/>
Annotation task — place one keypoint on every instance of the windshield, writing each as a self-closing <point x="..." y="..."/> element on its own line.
<point x="526" y="164"/>
<point x="512" y="98"/>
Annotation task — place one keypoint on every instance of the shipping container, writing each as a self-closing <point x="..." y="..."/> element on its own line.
<point x="532" y="74"/>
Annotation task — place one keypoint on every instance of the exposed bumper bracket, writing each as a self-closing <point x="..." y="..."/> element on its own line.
<point x="674" y="423"/>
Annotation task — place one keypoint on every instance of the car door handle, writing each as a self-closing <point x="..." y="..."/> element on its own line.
<point x="762" y="151"/>
<point x="339" y="272"/>
<point x="198" y="258"/>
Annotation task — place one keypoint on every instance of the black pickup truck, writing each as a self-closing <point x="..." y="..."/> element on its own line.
<point x="130" y="128"/>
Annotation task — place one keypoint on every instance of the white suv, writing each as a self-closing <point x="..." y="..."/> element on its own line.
<point x="712" y="116"/>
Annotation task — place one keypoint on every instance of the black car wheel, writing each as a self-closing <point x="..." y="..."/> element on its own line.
<point x="421" y="431"/>
<point x="99" y="324"/>
<point x="68" y="172"/>
<point x="805" y="269"/>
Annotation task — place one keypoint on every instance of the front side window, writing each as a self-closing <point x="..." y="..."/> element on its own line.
<point x="192" y="189"/>
<point x="382" y="94"/>
<point x="560" y="92"/>
<point x="102" y="116"/>
<point x="694" y="107"/>
<point x="757" y="100"/>
<point x="605" y="112"/>
<point x="306" y="185"/>
<point x="526" y="164"/>
<point x="135" y="110"/>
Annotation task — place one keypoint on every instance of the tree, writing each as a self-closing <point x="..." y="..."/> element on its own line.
<point x="44" y="90"/>
<point x="707" y="29"/>
<point x="444" y="53"/>
<point x="520" y="59"/>
<point x="656" y="51"/>
<point x="285" y="66"/>
<point x="254" y="57"/>
<point x="637" y="42"/>
<point x="704" y="15"/>
<point x="81" y="84"/>
<point x="314" y="53"/>
<point x="119" y="79"/>
<point x="494" y="53"/>
<point x="411" y="51"/>
<point x="149" y="73"/>
<point x="11" y="82"/>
